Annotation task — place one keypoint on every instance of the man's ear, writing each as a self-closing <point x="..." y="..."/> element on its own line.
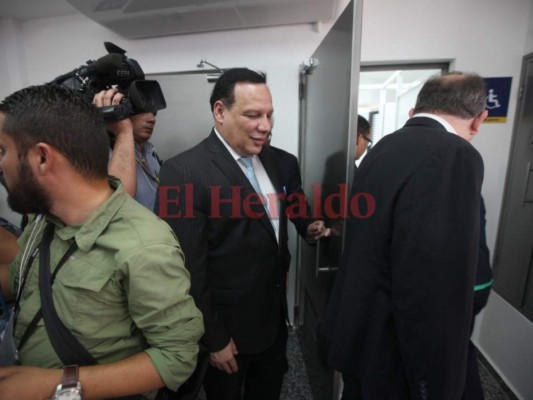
<point x="42" y="155"/>
<point x="411" y="112"/>
<point x="477" y="121"/>
<point x="219" y="109"/>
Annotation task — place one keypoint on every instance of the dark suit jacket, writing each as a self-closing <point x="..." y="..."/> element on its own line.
<point x="291" y="181"/>
<point x="237" y="266"/>
<point x="400" y="312"/>
<point x="484" y="271"/>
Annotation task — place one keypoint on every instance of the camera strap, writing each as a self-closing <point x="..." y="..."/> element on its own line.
<point x="147" y="171"/>
<point x="157" y="158"/>
<point x="67" y="347"/>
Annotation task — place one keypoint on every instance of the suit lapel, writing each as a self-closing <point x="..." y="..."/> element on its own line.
<point x="223" y="160"/>
<point x="227" y="165"/>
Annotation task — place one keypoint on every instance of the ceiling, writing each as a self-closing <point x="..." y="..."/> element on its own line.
<point x="150" y="18"/>
<point x="30" y="9"/>
<point x="145" y="18"/>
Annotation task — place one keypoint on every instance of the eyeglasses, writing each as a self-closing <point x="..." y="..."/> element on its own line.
<point x="367" y="139"/>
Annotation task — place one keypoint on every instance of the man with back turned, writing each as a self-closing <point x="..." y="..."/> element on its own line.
<point x="400" y="312"/>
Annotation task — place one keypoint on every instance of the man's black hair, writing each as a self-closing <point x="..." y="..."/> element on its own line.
<point x="224" y="89"/>
<point x="363" y="127"/>
<point x="61" y="118"/>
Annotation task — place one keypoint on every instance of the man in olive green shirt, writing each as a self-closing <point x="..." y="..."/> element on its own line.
<point x="123" y="292"/>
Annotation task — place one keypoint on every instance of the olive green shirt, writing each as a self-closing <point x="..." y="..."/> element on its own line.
<point x="123" y="291"/>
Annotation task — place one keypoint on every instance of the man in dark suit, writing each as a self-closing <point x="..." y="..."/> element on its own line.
<point x="400" y="312"/>
<point x="224" y="200"/>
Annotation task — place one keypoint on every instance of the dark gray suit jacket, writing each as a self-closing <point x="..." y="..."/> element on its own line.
<point x="237" y="266"/>
<point x="400" y="312"/>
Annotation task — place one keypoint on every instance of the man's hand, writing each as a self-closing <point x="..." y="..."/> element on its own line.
<point x="122" y="162"/>
<point x="112" y="97"/>
<point x="316" y="230"/>
<point x="28" y="383"/>
<point x="224" y="359"/>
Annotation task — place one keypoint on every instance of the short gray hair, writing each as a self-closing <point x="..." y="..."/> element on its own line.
<point x="456" y="93"/>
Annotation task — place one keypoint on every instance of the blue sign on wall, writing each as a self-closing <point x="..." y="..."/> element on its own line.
<point x="498" y="93"/>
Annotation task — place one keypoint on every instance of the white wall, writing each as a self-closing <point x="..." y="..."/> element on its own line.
<point x="489" y="37"/>
<point x="529" y="38"/>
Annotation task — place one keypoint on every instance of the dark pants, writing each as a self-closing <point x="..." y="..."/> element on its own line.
<point x="352" y="387"/>
<point x="473" y="388"/>
<point x="259" y="377"/>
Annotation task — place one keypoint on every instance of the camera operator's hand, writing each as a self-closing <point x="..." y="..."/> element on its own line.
<point x="112" y="97"/>
<point x="122" y="161"/>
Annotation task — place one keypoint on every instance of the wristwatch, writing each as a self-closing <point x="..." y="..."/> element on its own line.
<point x="70" y="387"/>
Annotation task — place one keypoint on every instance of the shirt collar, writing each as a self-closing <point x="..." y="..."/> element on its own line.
<point x="233" y="153"/>
<point x="148" y="148"/>
<point x="87" y="234"/>
<point x="440" y="120"/>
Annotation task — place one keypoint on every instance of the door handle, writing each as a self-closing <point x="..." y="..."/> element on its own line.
<point x="318" y="268"/>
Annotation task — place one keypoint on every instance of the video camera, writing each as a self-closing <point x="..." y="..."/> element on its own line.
<point x="115" y="68"/>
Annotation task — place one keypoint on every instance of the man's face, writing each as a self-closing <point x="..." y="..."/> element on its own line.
<point x="246" y="125"/>
<point x="25" y="195"/>
<point x="361" y="144"/>
<point x="143" y="126"/>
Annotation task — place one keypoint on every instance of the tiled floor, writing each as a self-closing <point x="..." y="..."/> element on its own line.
<point x="493" y="386"/>
<point x="297" y="386"/>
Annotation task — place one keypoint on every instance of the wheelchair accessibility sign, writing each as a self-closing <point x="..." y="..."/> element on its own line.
<point x="498" y="93"/>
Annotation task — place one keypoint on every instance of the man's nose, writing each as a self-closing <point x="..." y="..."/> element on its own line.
<point x="265" y="125"/>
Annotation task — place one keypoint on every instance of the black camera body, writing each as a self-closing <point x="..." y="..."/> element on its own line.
<point x="115" y="69"/>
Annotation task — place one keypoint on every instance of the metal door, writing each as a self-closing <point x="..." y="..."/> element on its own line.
<point x="328" y="119"/>
<point x="513" y="260"/>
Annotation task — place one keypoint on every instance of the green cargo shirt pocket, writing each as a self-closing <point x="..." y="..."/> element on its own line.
<point x="85" y="307"/>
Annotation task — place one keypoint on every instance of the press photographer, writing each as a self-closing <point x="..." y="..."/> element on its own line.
<point x="129" y="105"/>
